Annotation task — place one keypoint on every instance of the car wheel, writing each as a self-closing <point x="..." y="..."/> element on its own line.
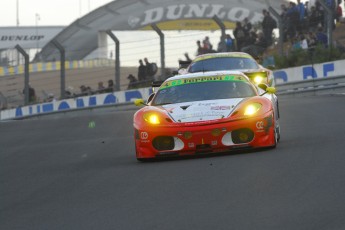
<point x="278" y="133"/>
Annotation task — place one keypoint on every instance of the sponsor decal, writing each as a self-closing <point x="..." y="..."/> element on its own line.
<point x="214" y="142"/>
<point x="207" y="104"/>
<point x="212" y="113"/>
<point x="22" y="38"/>
<point x="178" y="82"/>
<point x="193" y="11"/>
<point x="145" y="141"/>
<point x="221" y="107"/>
<point x="191" y="145"/>
<point x="144" y="135"/>
<point x="260" y="125"/>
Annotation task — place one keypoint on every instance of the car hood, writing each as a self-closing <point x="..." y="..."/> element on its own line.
<point x="201" y="110"/>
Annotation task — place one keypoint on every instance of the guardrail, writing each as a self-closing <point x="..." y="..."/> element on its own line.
<point x="90" y="102"/>
<point x="313" y="86"/>
<point x="125" y="98"/>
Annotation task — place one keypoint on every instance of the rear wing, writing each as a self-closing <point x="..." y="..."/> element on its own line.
<point x="183" y="64"/>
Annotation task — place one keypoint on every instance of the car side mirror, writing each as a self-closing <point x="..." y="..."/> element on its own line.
<point x="267" y="89"/>
<point x="150" y="97"/>
<point x="271" y="90"/>
<point x="139" y="102"/>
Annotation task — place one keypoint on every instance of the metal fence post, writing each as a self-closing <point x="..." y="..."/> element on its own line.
<point x="26" y="73"/>
<point x="222" y="28"/>
<point x="117" y="59"/>
<point x="162" y="45"/>
<point x="62" y="68"/>
<point x="330" y="21"/>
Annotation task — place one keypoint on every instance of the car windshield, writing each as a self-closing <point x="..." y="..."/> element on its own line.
<point x="208" y="90"/>
<point x="222" y="63"/>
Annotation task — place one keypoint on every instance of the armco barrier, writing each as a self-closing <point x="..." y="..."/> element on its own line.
<point x="93" y="101"/>
<point x="305" y="79"/>
<point x="324" y="85"/>
<point x="307" y="72"/>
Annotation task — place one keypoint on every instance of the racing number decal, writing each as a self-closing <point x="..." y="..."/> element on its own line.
<point x="144" y="135"/>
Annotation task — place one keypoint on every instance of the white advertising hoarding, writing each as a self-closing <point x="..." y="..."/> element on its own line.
<point x="27" y="37"/>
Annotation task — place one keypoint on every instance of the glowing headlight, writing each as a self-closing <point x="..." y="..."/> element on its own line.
<point x="152" y="118"/>
<point x="252" y="109"/>
<point x="258" y="79"/>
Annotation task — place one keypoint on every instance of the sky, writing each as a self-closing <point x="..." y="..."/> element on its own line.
<point x="51" y="12"/>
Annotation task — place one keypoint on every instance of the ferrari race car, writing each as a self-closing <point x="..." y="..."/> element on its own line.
<point x="207" y="112"/>
<point x="231" y="61"/>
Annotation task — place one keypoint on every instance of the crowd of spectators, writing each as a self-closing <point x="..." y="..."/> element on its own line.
<point x="146" y="74"/>
<point x="300" y="18"/>
<point x="245" y="38"/>
<point x="304" y="26"/>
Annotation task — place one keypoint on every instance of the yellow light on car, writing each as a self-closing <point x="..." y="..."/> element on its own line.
<point x="152" y="118"/>
<point x="252" y="109"/>
<point x="258" y="79"/>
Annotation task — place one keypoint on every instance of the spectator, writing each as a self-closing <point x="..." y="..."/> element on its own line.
<point x="252" y="38"/>
<point x="339" y="12"/>
<point x="321" y="13"/>
<point x="303" y="42"/>
<point x="221" y="45"/>
<point x="200" y="49"/>
<point x="110" y="88"/>
<point x="69" y="92"/>
<point x="100" y="88"/>
<point x="229" y="43"/>
<point x="312" y="40"/>
<point x="142" y="73"/>
<point x="247" y="26"/>
<point x="292" y="20"/>
<point x="284" y="18"/>
<point x="315" y="18"/>
<point x="151" y="69"/>
<point x="132" y="82"/>
<point x="207" y="44"/>
<point x="239" y="35"/>
<point x="85" y="90"/>
<point x="321" y="37"/>
<point x="268" y="24"/>
<point x="301" y="11"/>
<point x="258" y="47"/>
<point x="32" y="94"/>
<point x="296" y="44"/>
<point x="306" y="9"/>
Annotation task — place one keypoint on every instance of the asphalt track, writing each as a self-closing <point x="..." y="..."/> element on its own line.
<point x="78" y="171"/>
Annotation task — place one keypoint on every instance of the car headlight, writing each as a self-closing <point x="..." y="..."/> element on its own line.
<point x="258" y="79"/>
<point x="152" y="118"/>
<point x="252" y="109"/>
